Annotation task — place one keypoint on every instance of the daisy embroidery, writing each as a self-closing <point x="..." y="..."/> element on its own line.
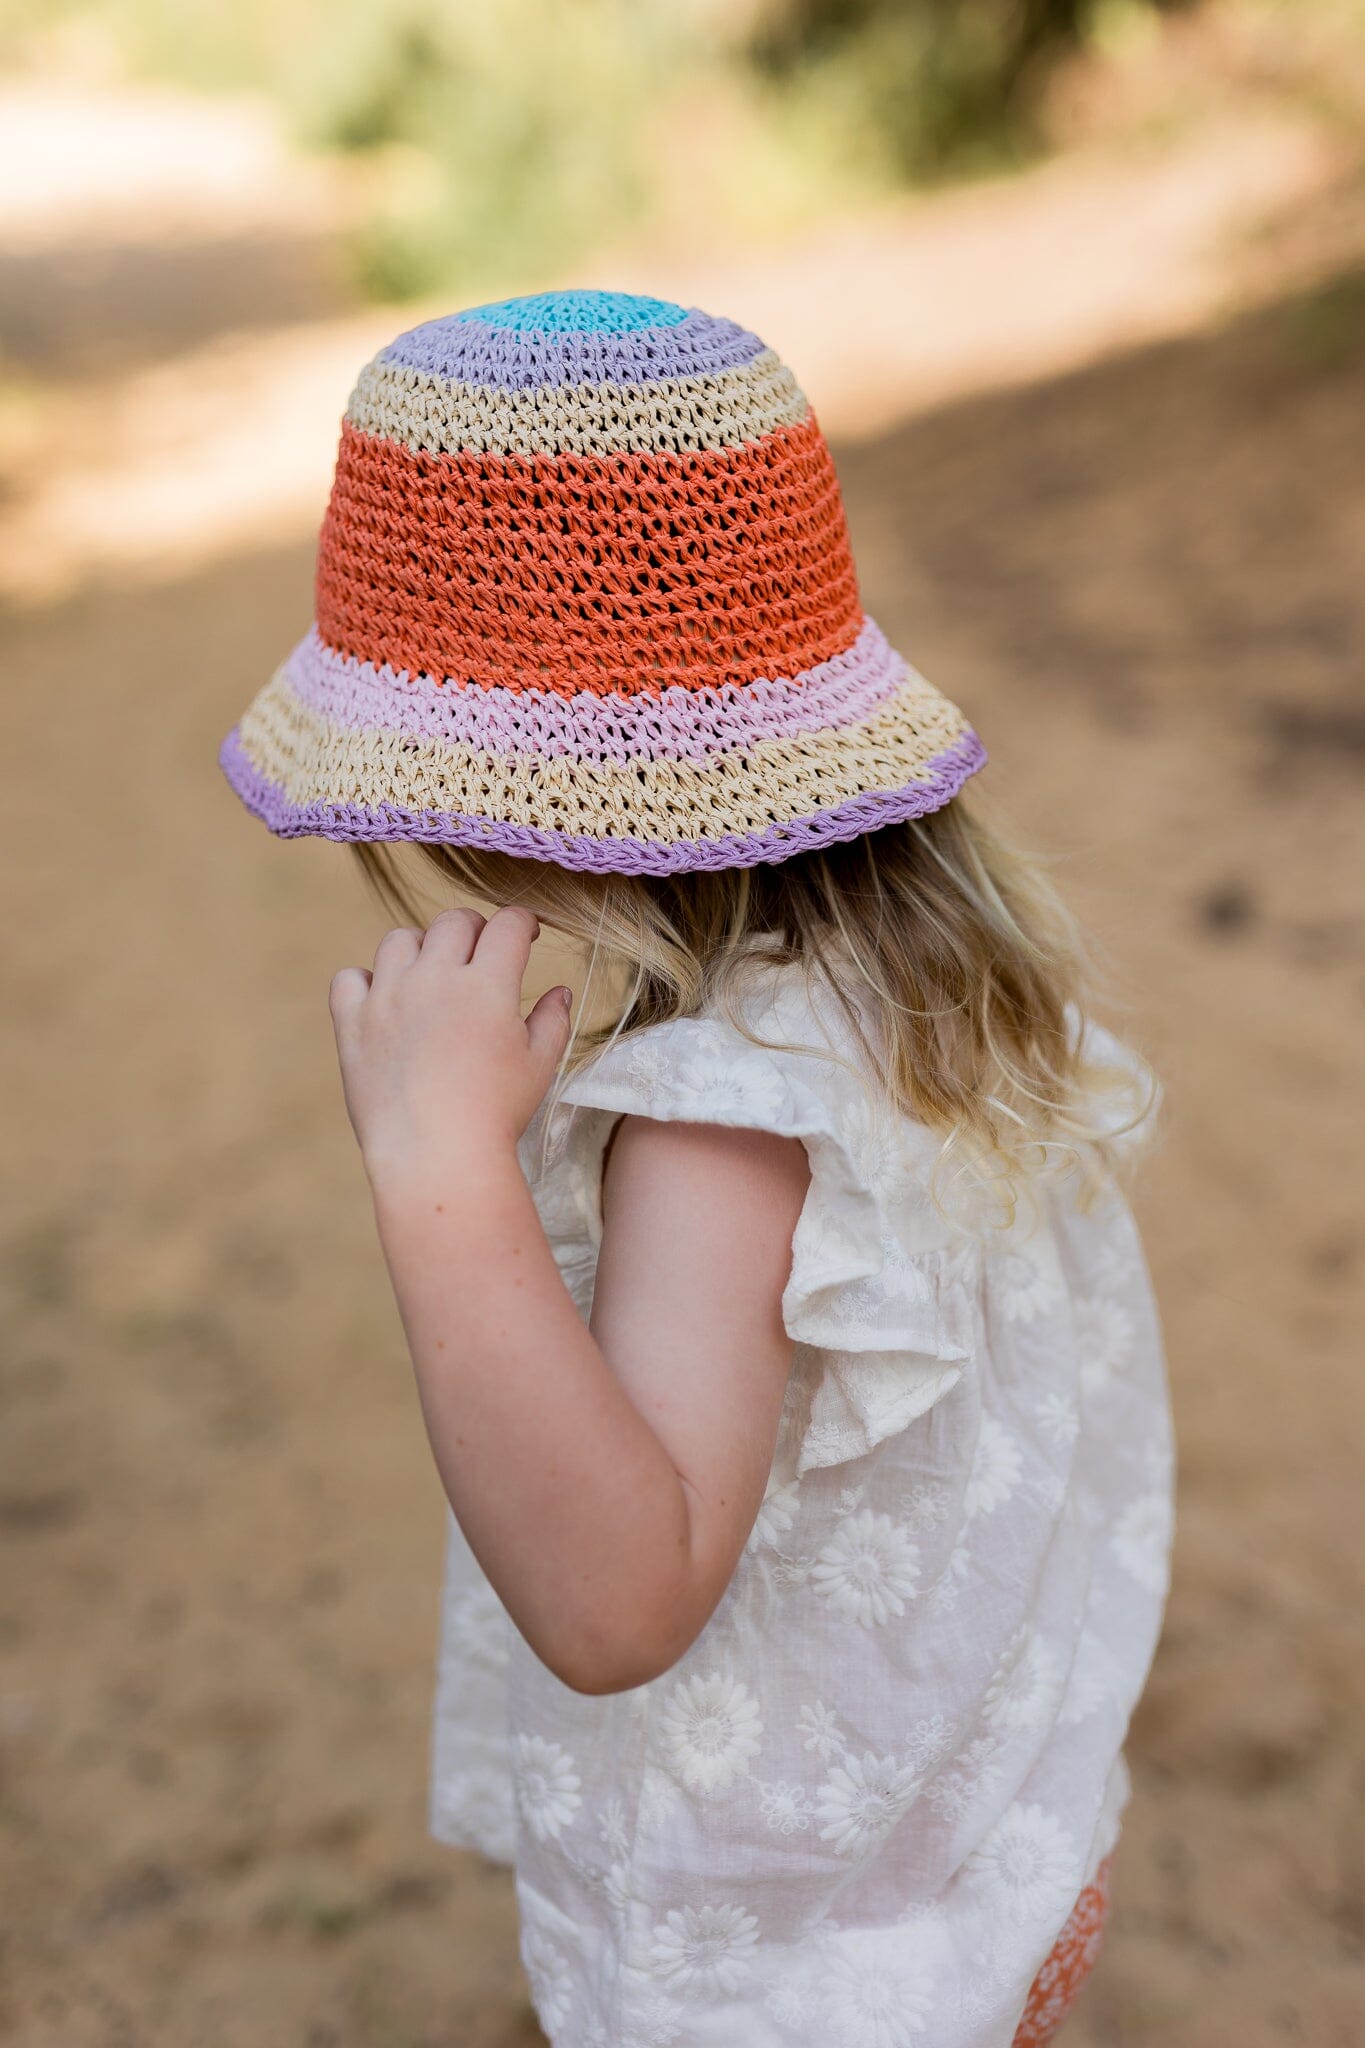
<point x="550" y="1976"/>
<point x="827" y="1243"/>
<point x="478" y="1627"/>
<point x="925" y="1507"/>
<point x="786" y="1808"/>
<point x="709" y="1728"/>
<point x="1030" y="1281"/>
<point x="931" y="1738"/>
<point x="861" y="1800"/>
<point x="1051" y="1490"/>
<point x="1026" y="1686"/>
<point x="943" y="1594"/>
<point x="995" y="1469"/>
<point x="1028" y="1863"/>
<point x="642" y="1070"/>
<point x="735" y="1091"/>
<point x="611" y="1825"/>
<point x="874" y="2004"/>
<point x="1104" y="1333"/>
<point x="775" y="1517"/>
<point x="818" y="1726"/>
<point x="476" y="1806"/>
<point x="786" y="2001"/>
<point x="1058" y="1420"/>
<point x="616" y="1885"/>
<point x="1142" y="1540"/>
<point x="704" y="1950"/>
<point x="659" y="1797"/>
<point x="950" y="1795"/>
<point x="548" y="1788"/>
<point x="868" y="1569"/>
<point x="952" y="1791"/>
<point x="1096" y="1676"/>
<point x="654" y="2023"/>
<point x="1118" y="1262"/>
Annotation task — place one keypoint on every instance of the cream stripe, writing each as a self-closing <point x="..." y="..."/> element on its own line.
<point x="723" y="410"/>
<point x="741" y="790"/>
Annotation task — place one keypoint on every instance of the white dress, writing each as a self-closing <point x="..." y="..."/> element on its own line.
<point x="858" y="1811"/>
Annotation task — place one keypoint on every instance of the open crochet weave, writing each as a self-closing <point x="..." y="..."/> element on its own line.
<point x="585" y="595"/>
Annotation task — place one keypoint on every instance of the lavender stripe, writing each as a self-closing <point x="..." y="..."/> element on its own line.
<point x="944" y="778"/>
<point x="470" y="352"/>
<point x="674" y="725"/>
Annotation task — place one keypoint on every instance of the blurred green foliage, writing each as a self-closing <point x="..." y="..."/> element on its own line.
<point x="500" y="138"/>
<point x="946" y="88"/>
<point x="515" y="131"/>
<point x="499" y="135"/>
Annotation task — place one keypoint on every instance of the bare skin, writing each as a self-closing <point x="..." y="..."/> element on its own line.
<point x="607" y="1475"/>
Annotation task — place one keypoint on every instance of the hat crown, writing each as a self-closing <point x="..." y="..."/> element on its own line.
<point x="553" y="340"/>
<point x="585" y="491"/>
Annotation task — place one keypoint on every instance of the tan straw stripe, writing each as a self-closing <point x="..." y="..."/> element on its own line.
<point x="722" y="410"/>
<point x="738" y="791"/>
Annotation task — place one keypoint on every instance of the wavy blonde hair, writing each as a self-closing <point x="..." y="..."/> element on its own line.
<point x="960" y="972"/>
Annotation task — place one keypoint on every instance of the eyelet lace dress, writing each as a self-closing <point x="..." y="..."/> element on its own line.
<point x="859" y="1810"/>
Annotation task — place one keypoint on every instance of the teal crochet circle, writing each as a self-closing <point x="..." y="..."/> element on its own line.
<point x="577" y="313"/>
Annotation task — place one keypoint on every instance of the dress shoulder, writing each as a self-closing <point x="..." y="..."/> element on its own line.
<point x="875" y="1274"/>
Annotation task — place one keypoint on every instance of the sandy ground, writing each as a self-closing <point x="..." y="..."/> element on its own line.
<point x="220" y="1525"/>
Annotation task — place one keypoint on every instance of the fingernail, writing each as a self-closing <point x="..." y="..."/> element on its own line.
<point x="565" y="996"/>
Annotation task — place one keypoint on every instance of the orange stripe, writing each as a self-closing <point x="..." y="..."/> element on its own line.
<point x="570" y="572"/>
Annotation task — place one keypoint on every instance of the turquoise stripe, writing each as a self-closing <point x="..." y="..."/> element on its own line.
<point x="577" y="313"/>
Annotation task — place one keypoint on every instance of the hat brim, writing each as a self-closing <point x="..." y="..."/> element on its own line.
<point x="611" y="854"/>
<point x="663" y="784"/>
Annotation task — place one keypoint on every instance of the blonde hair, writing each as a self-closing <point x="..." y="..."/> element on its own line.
<point x="958" y="969"/>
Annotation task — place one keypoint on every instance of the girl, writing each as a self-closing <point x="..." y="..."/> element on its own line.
<point x="782" y="1336"/>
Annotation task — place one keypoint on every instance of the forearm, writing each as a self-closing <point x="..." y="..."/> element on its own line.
<point x="607" y="1487"/>
<point x="566" y="1495"/>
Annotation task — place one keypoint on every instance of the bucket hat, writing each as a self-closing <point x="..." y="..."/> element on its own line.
<point x="585" y="595"/>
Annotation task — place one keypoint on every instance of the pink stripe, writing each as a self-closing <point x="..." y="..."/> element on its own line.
<point x="675" y="724"/>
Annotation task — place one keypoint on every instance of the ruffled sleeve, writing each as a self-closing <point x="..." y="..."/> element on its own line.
<point x="874" y="1286"/>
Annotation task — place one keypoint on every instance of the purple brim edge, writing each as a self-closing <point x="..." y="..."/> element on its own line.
<point x="267" y="801"/>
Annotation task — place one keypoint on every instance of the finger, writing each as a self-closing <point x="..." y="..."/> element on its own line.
<point x="348" y="991"/>
<point x="453" y="935"/>
<point x="548" y="1028"/>
<point x="505" y="943"/>
<point x="396" y="950"/>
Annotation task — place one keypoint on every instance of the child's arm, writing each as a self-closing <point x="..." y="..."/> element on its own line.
<point x="606" y="1479"/>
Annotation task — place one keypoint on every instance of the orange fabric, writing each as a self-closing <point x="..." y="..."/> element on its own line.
<point x="571" y="572"/>
<point x="1058" y="1984"/>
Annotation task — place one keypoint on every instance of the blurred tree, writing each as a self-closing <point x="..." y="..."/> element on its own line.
<point x="946" y="84"/>
<point x="499" y="139"/>
<point x="512" y="130"/>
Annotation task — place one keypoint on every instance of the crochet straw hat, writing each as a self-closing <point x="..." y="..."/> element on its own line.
<point x="584" y="594"/>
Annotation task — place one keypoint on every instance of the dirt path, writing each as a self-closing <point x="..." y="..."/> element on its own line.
<point x="220" y="1527"/>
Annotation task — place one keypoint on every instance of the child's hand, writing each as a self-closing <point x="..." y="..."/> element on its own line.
<point x="436" y="1060"/>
